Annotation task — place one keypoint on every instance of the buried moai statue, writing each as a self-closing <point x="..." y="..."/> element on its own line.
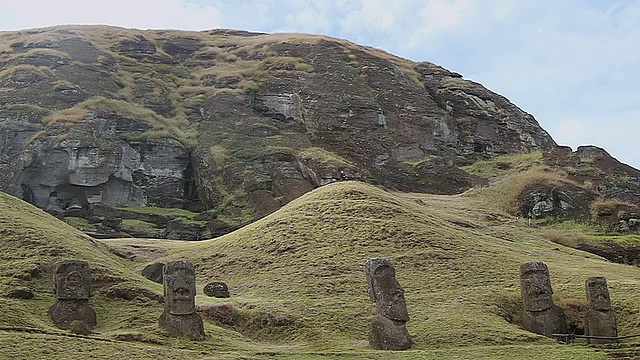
<point x="599" y="320"/>
<point x="388" y="330"/>
<point x="179" y="317"/>
<point x="540" y="314"/>
<point x="217" y="289"/>
<point x="72" y="282"/>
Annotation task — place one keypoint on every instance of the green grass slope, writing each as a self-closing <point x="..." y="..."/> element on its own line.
<point x="32" y="242"/>
<point x="457" y="259"/>
<point x="297" y="282"/>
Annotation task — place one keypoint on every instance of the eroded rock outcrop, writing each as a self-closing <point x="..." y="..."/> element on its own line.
<point x="93" y="166"/>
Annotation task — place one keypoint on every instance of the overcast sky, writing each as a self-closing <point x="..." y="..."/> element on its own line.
<point x="573" y="64"/>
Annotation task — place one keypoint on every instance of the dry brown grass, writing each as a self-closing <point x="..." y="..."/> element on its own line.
<point x="608" y="207"/>
<point x="105" y="106"/>
<point x="284" y="62"/>
<point x="566" y="237"/>
<point x="504" y="193"/>
<point x="39" y="70"/>
<point x="324" y="156"/>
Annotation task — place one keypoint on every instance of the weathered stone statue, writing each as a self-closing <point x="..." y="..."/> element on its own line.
<point x="599" y="320"/>
<point x="179" y="316"/>
<point x="217" y="289"/>
<point x="72" y="282"/>
<point x="540" y="314"/>
<point x="154" y="272"/>
<point x="388" y="330"/>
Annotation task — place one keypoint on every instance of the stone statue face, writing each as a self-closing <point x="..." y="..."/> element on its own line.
<point x="598" y="294"/>
<point x="73" y="280"/>
<point x="385" y="290"/>
<point x="180" y="288"/>
<point x="389" y="294"/>
<point x="535" y="285"/>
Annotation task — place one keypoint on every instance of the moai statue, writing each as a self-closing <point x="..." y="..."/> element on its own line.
<point x="179" y="316"/>
<point x="599" y="320"/>
<point x="540" y="314"/>
<point x="54" y="208"/>
<point x="217" y="289"/>
<point x="72" y="282"/>
<point x="388" y="330"/>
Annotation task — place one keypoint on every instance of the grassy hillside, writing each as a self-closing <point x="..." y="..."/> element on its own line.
<point x="297" y="282"/>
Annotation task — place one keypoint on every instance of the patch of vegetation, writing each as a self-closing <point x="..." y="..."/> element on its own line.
<point x="574" y="310"/>
<point x="608" y="207"/>
<point x="232" y="208"/>
<point x="172" y="212"/>
<point x="34" y="137"/>
<point x="503" y="165"/>
<point x="451" y="82"/>
<point x="27" y="108"/>
<point x="102" y="107"/>
<point x="323" y="156"/>
<point x="220" y="156"/>
<point x="15" y="71"/>
<point x="37" y="52"/>
<point x="415" y="163"/>
<point x="504" y="193"/>
<point x="80" y="223"/>
<point x="287" y="63"/>
<point x="250" y="321"/>
<point x="139" y="227"/>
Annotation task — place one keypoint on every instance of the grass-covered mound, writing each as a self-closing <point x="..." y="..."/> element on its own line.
<point x="457" y="259"/>
<point x="298" y="288"/>
<point x="32" y="242"/>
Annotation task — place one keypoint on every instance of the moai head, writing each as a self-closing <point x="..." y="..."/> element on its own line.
<point x="180" y="288"/>
<point x="72" y="280"/>
<point x="385" y="290"/>
<point x="598" y="294"/>
<point x="217" y="289"/>
<point x="535" y="285"/>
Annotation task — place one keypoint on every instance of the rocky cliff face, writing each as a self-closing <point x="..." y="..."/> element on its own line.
<point x="233" y="123"/>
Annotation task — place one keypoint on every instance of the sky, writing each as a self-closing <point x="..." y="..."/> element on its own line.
<point x="573" y="64"/>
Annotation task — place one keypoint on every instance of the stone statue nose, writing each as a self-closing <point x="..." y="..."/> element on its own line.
<point x="182" y="292"/>
<point x="538" y="289"/>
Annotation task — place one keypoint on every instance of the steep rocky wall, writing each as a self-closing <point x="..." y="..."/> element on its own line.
<point x="233" y="122"/>
<point x="90" y="165"/>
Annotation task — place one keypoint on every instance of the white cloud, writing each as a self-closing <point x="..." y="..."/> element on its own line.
<point x="308" y="20"/>
<point x="374" y="16"/>
<point x="143" y="14"/>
